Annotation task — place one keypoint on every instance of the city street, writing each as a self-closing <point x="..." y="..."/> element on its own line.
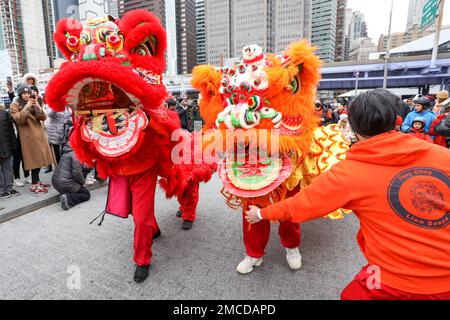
<point x="42" y="251"/>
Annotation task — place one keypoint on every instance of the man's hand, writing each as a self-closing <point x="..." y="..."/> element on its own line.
<point x="251" y="215"/>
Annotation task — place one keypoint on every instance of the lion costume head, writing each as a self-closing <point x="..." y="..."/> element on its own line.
<point x="270" y="92"/>
<point x="113" y="82"/>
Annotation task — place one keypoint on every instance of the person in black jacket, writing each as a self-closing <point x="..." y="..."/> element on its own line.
<point x="182" y="109"/>
<point x="7" y="147"/>
<point x="443" y="128"/>
<point x="68" y="179"/>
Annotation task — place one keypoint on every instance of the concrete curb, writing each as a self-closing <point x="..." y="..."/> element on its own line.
<point x="7" y="216"/>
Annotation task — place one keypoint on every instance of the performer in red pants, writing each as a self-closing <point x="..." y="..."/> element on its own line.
<point x="256" y="237"/>
<point x="188" y="205"/>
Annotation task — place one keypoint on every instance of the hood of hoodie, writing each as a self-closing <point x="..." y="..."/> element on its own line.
<point x="390" y="148"/>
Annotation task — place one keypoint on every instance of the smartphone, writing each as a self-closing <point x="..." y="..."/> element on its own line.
<point x="32" y="96"/>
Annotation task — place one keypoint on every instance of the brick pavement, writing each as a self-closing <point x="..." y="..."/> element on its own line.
<point x="38" y="248"/>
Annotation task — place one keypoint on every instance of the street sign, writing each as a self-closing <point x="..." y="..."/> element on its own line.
<point x="429" y="13"/>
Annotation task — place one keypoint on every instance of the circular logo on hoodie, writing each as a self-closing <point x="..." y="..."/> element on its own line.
<point x="421" y="196"/>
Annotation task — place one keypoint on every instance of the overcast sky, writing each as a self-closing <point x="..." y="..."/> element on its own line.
<point x="376" y="13"/>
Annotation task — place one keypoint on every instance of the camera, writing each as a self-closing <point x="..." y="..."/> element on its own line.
<point x="32" y="96"/>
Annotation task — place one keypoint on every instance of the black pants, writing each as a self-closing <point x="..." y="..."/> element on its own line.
<point x="78" y="197"/>
<point x="17" y="159"/>
<point x="35" y="175"/>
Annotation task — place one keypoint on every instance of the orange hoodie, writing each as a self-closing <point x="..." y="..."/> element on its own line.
<point x="399" y="188"/>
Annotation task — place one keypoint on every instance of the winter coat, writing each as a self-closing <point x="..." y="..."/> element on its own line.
<point x="183" y="114"/>
<point x="7" y="135"/>
<point x="36" y="151"/>
<point x="420" y="135"/>
<point x="443" y="136"/>
<point x="443" y="128"/>
<point x="68" y="176"/>
<point x="55" y="125"/>
<point x="427" y="114"/>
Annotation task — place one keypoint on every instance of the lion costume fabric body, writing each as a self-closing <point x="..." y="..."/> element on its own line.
<point x="275" y="93"/>
<point x="113" y="82"/>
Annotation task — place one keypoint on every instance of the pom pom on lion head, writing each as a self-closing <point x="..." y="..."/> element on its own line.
<point x="113" y="82"/>
<point x="264" y="92"/>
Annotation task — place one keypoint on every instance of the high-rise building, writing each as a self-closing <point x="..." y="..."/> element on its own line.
<point x="201" y="37"/>
<point x="186" y="35"/>
<point x="348" y="20"/>
<point x="11" y="11"/>
<point x="361" y="49"/>
<point x="271" y="24"/>
<point x="415" y="11"/>
<point x="400" y="38"/>
<point x="323" y="30"/>
<point x="65" y="9"/>
<point x="2" y="36"/>
<point x="112" y="7"/>
<point x="27" y="31"/>
<point x="171" y="31"/>
<point x="157" y="7"/>
<point x="49" y="25"/>
<point x="290" y="21"/>
<point x="218" y="18"/>
<point x="341" y="31"/>
<point x="358" y="26"/>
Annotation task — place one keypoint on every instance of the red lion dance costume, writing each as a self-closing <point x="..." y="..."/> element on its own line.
<point x="275" y="94"/>
<point x="113" y="83"/>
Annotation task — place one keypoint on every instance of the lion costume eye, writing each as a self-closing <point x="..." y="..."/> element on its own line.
<point x="141" y="50"/>
<point x="295" y="85"/>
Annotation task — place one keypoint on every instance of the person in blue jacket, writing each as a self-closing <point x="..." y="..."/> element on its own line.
<point x="421" y="109"/>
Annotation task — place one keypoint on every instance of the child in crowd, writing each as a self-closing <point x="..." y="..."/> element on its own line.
<point x="418" y="129"/>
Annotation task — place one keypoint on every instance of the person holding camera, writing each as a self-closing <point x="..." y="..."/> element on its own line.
<point x="28" y="115"/>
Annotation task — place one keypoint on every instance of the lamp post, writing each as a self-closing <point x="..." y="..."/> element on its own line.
<point x="437" y="35"/>
<point x="387" y="55"/>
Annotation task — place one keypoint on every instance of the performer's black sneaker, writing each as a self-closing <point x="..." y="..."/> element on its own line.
<point x="141" y="273"/>
<point x="187" y="224"/>
<point x="157" y="234"/>
<point x="179" y="213"/>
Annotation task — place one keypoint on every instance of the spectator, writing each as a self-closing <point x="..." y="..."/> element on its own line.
<point x="443" y="102"/>
<point x="56" y="127"/>
<point x="421" y="110"/>
<point x="403" y="110"/>
<point x="68" y="179"/>
<point x="442" y="128"/>
<point x="339" y="110"/>
<point x="30" y="79"/>
<point x="410" y="104"/>
<point x="322" y="113"/>
<point x="10" y="92"/>
<point x="397" y="186"/>
<point x="7" y="146"/>
<point x="346" y="129"/>
<point x="28" y="114"/>
<point x="182" y="108"/>
<point x="418" y="129"/>
<point x="172" y="105"/>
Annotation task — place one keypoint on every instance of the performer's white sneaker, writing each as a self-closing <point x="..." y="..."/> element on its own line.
<point x="246" y="265"/>
<point x="294" y="258"/>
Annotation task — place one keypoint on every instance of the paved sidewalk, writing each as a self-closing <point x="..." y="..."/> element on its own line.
<point x="43" y="251"/>
<point x="27" y="202"/>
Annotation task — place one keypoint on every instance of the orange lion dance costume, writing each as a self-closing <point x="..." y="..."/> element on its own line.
<point x="275" y="94"/>
<point x="113" y="83"/>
